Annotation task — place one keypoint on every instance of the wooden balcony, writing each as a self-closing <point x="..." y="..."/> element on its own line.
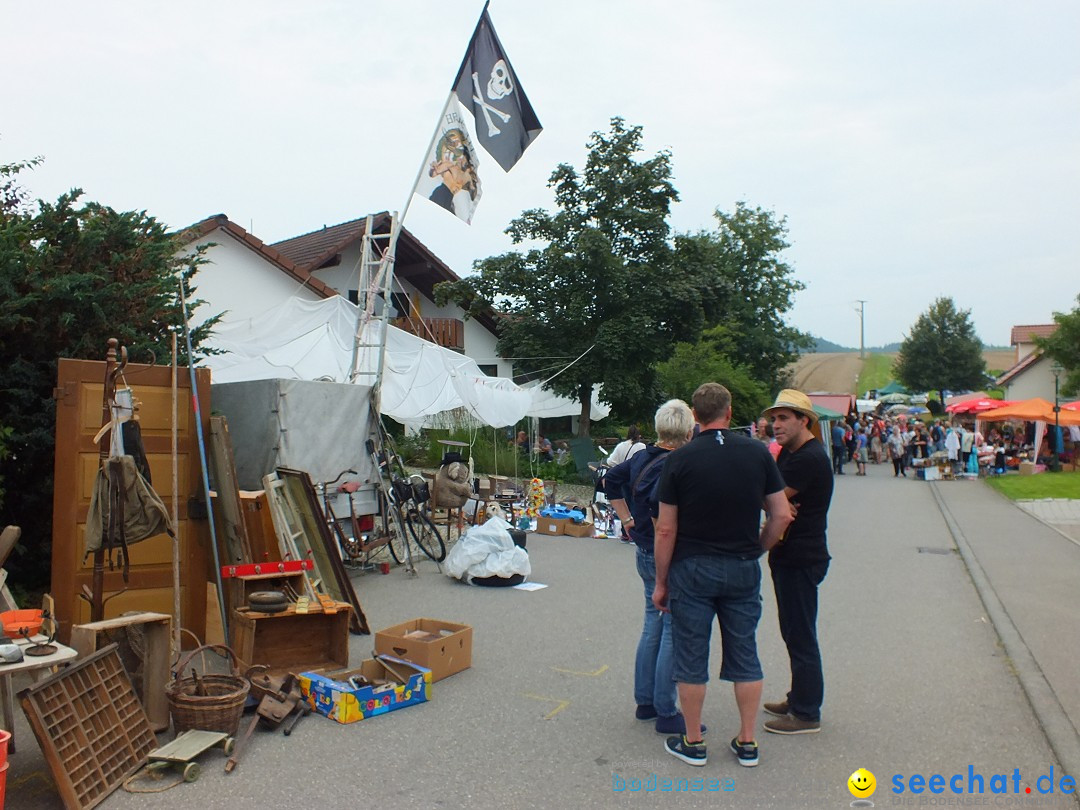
<point x="446" y="332"/>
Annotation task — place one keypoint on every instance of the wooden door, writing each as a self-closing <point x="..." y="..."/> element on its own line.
<point x="78" y="419"/>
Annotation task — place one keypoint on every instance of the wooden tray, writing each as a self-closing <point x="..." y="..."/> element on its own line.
<point x="91" y="727"/>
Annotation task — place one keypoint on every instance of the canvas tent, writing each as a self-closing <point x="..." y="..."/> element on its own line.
<point x="313" y="340"/>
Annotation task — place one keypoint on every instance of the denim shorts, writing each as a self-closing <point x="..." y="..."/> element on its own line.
<point x="725" y="587"/>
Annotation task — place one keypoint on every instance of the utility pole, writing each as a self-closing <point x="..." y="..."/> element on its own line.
<point x="862" y="345"/>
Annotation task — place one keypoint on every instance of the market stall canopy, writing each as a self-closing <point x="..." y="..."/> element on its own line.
<point x="826" y="413"/>
<point x="313" y="340"/>
<point x="840" y="403"/>
<point x="892" y="388"/>
<point x="977" y="405"/>
<point x="896" y="399"/>
<point x="957" y="398"/>
<point x="867" y="405"/>
<point x="1031" y="410"/>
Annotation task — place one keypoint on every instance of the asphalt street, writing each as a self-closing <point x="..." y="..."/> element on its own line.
<point x="948" y="624"/>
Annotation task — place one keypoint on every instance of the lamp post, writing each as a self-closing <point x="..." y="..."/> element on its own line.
<point x="1055" y="460"/>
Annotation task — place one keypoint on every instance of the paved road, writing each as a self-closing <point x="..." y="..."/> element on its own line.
<point x="918" y="680"/>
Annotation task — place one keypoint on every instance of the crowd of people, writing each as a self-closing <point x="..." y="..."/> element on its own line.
<point x="692" y="503"/>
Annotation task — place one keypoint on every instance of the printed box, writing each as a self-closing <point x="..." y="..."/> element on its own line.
<point x="443" y="647"/>
<point x="334" y="696"/>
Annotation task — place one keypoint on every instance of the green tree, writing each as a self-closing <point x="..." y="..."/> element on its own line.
<point x="71" y="276"/>
<point x="600" y="285"/>
<point x="942" y="352"/>
<point x="708" y="360"/>
<point x="1064" y="347"/>
<point x="746" y="289"/>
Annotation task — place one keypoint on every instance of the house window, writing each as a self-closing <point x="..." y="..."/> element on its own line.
<point x="491" y="370"/>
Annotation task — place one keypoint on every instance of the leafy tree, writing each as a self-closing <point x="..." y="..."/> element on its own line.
<point x="747" y="289"/>
<point x="941" y="352"/>
<point x="708" y="360"/>
<point x="607" y="285"/>
<point x="600" y="286"/>
<point x="71" y="276"/>
<point x="1064" y="347"/>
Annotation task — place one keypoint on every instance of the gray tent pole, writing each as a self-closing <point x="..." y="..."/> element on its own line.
<point x="203" y="464"/>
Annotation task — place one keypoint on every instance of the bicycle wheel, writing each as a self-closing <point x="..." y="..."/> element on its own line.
<point x="393" y="530"/>
<point x="426" y="535"/>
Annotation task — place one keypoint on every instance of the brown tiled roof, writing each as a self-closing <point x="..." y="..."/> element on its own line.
<point x="311" y="250"/>
<point x="1020" y="367"/>
<point x="275" y="257"/>
<point x="414" y="262"/>
<point x="1024" y="334"/>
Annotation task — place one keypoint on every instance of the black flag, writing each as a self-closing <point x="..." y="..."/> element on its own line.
<point x="487" y="86"/>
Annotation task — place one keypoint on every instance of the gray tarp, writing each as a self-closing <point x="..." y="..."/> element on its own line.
<point x="318" y="427"/>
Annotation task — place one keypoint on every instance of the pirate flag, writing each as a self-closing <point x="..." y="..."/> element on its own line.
<point x="450" y="178"/>
<point x="488" y="88"/>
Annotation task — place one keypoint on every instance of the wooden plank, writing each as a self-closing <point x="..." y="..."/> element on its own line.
<point x="233" y="532"/>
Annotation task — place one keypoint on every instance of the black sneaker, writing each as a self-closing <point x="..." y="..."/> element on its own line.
<point x="674" y="725"/>
<point x="747" y="752"/>
<point x="645" y="712"/>
<point x="692" y="754"/>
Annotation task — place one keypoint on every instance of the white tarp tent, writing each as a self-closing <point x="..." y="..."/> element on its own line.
<point x="312" y="340"/>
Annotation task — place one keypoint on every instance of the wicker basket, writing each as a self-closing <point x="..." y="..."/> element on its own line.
<point x="219" y="709"/>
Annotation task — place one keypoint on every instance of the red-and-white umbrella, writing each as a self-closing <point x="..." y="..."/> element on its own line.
<point x="977" y="405"/>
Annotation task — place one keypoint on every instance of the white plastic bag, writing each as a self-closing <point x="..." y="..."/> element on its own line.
<point x="487" y="551"/>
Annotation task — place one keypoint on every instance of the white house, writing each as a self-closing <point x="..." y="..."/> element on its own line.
<point x="1031" y="374"/>
<point x="245" y="277"/>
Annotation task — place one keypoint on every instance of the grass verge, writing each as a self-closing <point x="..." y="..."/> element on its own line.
<point x="1034" y="487"/>
<point x="876" y="372"/>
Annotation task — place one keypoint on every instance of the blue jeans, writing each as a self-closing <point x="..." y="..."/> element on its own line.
<point x="797" y="606"/>
<point x="654" y="684"/>
<point x="704" y="587"/>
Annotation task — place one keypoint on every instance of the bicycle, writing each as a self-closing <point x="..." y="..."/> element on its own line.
<point x="402" y="507"/>
<point x="364" y="542"/>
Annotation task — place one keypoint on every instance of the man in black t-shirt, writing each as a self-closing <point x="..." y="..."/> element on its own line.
<point x="800" y="561"/>
<point x="708" y="542"/>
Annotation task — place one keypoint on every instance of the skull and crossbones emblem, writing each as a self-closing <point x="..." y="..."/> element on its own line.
<point x="499" y="86"/>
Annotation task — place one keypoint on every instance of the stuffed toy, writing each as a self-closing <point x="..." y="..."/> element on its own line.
<point x="452" y="486"/>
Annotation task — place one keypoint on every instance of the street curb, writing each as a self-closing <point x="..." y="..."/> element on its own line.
<point x="1060" y="733"/>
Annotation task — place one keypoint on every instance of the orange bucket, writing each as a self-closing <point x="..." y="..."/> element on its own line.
<point x="3" y="783"/>
<point x="4" y="737"/>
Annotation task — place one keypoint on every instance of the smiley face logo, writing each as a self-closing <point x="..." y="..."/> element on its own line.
<point x="862" y="784"/>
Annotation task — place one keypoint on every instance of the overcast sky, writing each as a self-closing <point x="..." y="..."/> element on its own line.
<point x="916" y="148"/>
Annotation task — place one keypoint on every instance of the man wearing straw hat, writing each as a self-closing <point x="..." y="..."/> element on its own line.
<point x="800" y="560"/>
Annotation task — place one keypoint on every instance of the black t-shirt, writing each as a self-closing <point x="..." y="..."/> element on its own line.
<point x="809" y="473"/>
<point x="718" y="482"/>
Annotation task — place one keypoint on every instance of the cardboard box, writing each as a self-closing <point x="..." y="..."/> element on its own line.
<point x="1027" y="467"/>
<point x="552" y="526"/>
<point x="445" y="648"/>
<point x="572" y="529"/>
<point x="332" y="694"/>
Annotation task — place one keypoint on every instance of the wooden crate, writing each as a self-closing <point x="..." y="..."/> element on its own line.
<point x="150" y="683"/>
<point x="291" y="641"/>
